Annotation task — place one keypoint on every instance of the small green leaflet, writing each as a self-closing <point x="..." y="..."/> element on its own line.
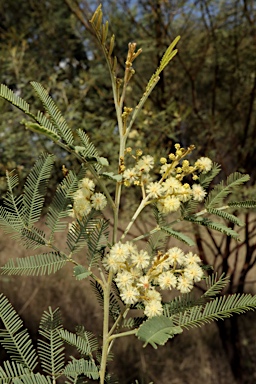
<point x="112" y="176"/>
<point x="178" y="235"/>
<point x="81" y="272"/>
<point x="157" y="331"/>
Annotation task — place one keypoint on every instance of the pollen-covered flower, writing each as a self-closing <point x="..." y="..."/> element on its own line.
<point x="98" y="201"/>
<point x="167" y="280"/>
<point x="140" y="259"/>
<point x="87" y="184"/>
<point x="130" y="175"/>
<point x="82" y="206"/>
<point x="191" y="258"/>
<point x="194" y="272"/>
<point x="198" y="192"/>
<point x="119" y="251"/>
<point x="153" y="308"/>
<point x="171" y="185"/>
<point x="184" y="284"/>
<point x="130" y="295"/>
<point x="204" y="164"/>
<point x="175" y="256"/>
<point x="145" y="163"/>
<point x="154" y="190"/>
<point x="111" y="263"/>
<point x="168" y="204"/>
<point x="123" y="279"/>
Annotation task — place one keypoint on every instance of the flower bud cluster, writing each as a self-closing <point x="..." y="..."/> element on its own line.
<point x="85" y="199"/>
<point x="170" y="191"/>
<point x="137" y="275"/>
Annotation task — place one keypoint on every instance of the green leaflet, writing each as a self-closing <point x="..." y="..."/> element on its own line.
<point x="43" y="264"/>
<point x="10" y="96"/>
<point x="12" y="370"/>
<point x="13" y="338"/>
<point x="221" y="191"/>
<point x="212" y="225"/>
<point x="35" y="188"/>
<point x="80" y="272"/>
<point x="215" y="285"/>
<point x="157" y="331"/>
<point x="56" y="117"/>
<point x="178" y="235"/>
<point x="219" y="308"/>
<point x="37" y="128"/>
<point x="59" y="208"/>
<point x="81" y="367"/>
<point x="84" y="342"/>
<point x="226" y="216"/>
<point x="51" y="350"/>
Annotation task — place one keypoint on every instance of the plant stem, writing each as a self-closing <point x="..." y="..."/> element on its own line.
<point x="105" y="343"/>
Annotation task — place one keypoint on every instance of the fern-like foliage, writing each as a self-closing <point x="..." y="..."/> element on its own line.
<point x="14" y="339"/>
<point x="7" y="94"/>
<point x="42" y="264"/>
<point x="33" y="378"/>
<point x="35" y="188"/>
<point x="12" y="371"/>
<point x="178" y="235"/>
<point x="219" y="308"/>
<point x="212" y="225"/>
<point x="205" y="179"/>
<point x="88" y="151"/>
<point x="97" y="241"/>
<point x="56" y="117"/>
<point x="114" y="307"/>
<point x="215" y="285"/>
<point x="242" y="204"/>
<point x="220" y="191"/>
<point x="51" y="349"/>
<point x="81" y="368"/>
<point x="180" y="304"/>
<point x="83" y="341"/>
<point x="59" y="208"/>
<point x="226" y="216"/>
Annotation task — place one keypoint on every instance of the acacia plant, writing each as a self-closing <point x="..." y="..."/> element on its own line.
<point x="126" y="277"/>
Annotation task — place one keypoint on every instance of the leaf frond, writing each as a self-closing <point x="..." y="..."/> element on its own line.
<point x="219" y="308"/>
<point x="220" y="191"/>
<point x="51" y="351"/>
<point x="35" y="188"/>
<point x="56" y="117"/>
<point x="178" y="235"/>
<point x="215" y="284"/>
<point x="59" y="208"/>
<point x="37" y="265"/>
<point x="16" y="341"/>
<point x="205" y="179"/>
<point x="81" y="367"/>
<point x="83" y="341"/>
<point x="226" y="216"/>
<point x="7" y="94"/>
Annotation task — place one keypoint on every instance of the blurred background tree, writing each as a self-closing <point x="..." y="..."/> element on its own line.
<point x="206" y="97"/>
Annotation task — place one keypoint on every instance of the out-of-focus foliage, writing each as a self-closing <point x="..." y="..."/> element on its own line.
<point x="207" y="97"/>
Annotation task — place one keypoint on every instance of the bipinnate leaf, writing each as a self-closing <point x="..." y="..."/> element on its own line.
<point x="157" y="331"/>
<point x="81" y="367"/>
<point x="11" y="370"/>
<point x="42" y="264"/>
<point x="14" y="338"/>
<point x="56" y="117"/>
<point x="35" y="188"/>
<point x="178" y="235"/>
<point x="51" y="349"/>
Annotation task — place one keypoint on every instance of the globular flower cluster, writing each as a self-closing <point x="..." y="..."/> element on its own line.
<point x="85" y="199"/>
<point x="139" y="276"/>
<point x="170" y="191"/>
